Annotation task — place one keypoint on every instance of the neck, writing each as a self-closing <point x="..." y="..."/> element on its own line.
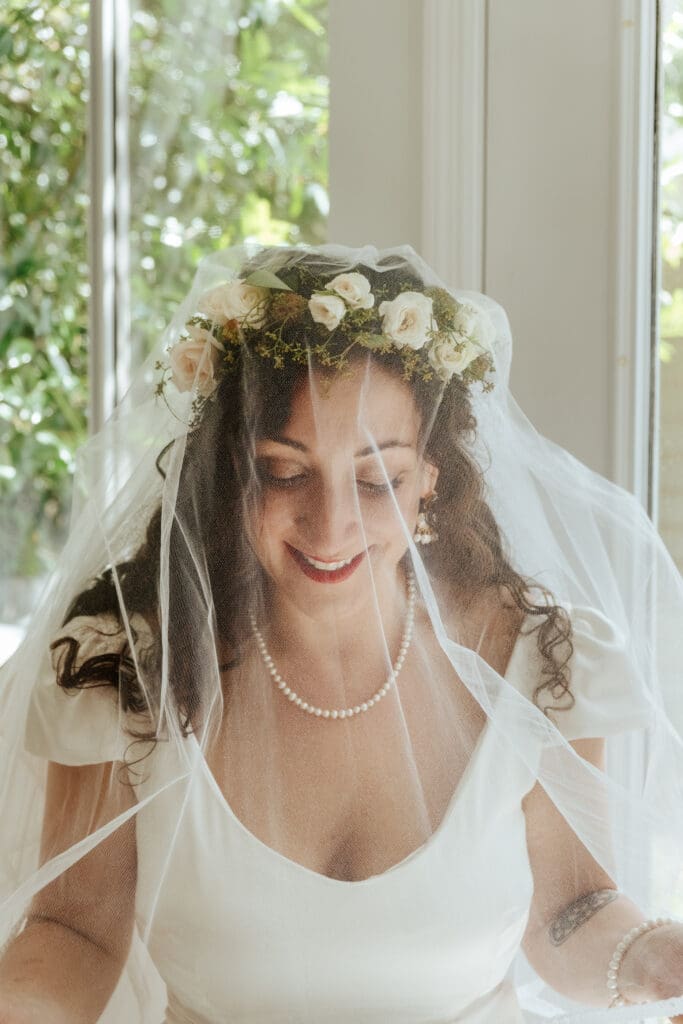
<point x="339" y="655"/>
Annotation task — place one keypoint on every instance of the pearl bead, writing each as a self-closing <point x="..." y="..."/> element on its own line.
<point x="359" y="708"/>
<point x="622" y="946"/>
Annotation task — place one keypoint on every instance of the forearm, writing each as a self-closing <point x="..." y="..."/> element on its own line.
<point x="572" y="952"/>
<point x="50" y="974"/>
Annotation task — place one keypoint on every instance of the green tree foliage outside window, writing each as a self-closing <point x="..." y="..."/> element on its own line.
<point x="228" y="140"/>
<point x="229" y="116"/>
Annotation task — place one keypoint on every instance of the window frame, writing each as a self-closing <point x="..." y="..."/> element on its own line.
<point x="108" y="252"/>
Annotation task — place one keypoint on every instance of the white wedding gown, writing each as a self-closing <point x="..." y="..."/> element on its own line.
<point x="241" y="934"/>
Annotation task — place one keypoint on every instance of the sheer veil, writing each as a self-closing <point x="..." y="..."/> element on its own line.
<point x="300" y="675"/>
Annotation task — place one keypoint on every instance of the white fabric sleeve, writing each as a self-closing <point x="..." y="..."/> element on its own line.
<point x="82" y="726"/>
<point x="608" y="697"/>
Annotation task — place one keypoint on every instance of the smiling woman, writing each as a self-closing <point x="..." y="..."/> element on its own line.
<point x="347" y="642"/>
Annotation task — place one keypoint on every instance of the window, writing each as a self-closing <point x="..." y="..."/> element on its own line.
<point x="44" y="63"/>
<point x="210" y="122"/>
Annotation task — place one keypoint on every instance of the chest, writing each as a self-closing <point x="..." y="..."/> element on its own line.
<point x="418" y="941"/>
<point x="350" y="799"/>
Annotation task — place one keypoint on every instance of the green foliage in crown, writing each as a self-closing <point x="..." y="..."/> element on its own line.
<point x="324" y="323"/>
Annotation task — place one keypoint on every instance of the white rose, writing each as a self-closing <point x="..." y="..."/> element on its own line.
<point x="326" y="309"/>
<point x="474" y="324"/>
<point x="234" y="301"/>
<point x="448" y="360"/>
<point x="354" y="289"/>
<point x="407" y="319"/>
<point x="193" y="361"/>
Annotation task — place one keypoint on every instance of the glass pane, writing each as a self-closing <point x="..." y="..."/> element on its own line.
<point x="228" y="138"/>
<point x="43" y="295"/>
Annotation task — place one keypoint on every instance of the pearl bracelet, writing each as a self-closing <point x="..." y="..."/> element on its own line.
<point x="618" y="955"/>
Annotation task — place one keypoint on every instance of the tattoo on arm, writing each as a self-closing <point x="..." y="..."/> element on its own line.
<point x="578" y="912"/>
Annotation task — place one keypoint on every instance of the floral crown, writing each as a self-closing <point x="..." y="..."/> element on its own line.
<point x="435" y="334"/>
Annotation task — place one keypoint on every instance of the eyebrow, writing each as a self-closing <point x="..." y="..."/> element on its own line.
<point x="369" y="450"/>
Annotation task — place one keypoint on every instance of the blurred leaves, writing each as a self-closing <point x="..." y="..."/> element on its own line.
<point x="43" y="276"/>
<point x="229" y="119"/>
<point x="228" y="141"/>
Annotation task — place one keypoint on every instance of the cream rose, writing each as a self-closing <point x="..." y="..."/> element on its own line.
<point x="354" y="290"/>
<point x="326" y="309"/>
<point x="192" y="361"/>
<point x="474" y="324"/>
<point x="234" y="301"/>
<point x="407" y="319"/>
<point x="447" y="360"/>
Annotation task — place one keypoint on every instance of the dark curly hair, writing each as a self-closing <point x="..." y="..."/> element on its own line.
<point x="218" y="483"/>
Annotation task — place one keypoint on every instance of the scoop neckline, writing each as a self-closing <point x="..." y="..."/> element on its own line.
<point x="419" y="853"/>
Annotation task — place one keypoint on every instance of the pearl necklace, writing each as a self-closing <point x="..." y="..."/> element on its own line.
<point x="311" y="709"/>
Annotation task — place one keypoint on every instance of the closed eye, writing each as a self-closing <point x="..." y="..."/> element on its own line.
<point x="283" y="481"/>
<point x="371" y="488"/>
<point x="299" y="478"/>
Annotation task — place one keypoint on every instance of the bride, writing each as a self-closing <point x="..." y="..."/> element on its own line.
<point x="299" y="732"/>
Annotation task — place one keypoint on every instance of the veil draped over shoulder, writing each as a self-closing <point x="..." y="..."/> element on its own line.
<point x="353" y="698"/>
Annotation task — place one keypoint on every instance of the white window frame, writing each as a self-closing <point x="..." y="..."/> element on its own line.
<point x="454" y="136"/>
<point x="636" y="254"/>
<point x="108" y="253"/>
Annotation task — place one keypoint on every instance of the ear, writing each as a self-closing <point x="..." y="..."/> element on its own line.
<point x="430" y="475"/>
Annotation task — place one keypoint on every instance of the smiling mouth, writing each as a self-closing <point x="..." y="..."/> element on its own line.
<point x="322" y="571"/>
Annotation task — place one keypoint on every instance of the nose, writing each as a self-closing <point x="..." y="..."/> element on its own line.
<point x="332" y="521"/>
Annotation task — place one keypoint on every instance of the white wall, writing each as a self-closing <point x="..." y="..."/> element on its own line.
<point x="375" y="122"/>
<point x="548" y="209"/>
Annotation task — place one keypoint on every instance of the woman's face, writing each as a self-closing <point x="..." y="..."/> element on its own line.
<point x="341" y="486"/>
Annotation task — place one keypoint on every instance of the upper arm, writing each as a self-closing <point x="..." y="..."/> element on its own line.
<point x="95" y="897"/>
<point x="562" y="867"/>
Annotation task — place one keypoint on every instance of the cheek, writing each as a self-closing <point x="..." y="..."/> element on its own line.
<point x="270" y="518"/>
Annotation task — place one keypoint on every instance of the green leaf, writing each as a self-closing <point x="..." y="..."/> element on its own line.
<point x="266" y="279"/>
<point x="305" y="18"/>
<point x="5" y="42"/>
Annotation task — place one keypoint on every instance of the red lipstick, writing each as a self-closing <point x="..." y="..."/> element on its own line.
<point x="324" y="575"/>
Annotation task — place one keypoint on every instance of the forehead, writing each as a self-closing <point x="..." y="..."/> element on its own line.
<point x="367" y="405"/>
